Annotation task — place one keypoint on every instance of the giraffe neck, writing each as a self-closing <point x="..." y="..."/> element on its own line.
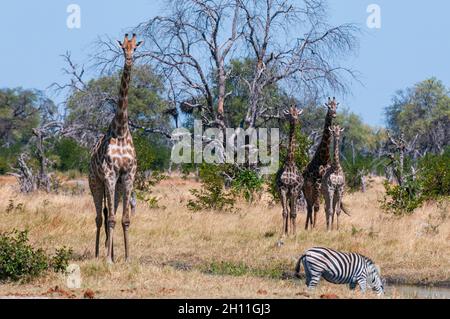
<point x="291" y="151"/>
<point x="336" y="163"/>
<point x="323" y="153"/>
<point x="120" y="123"/>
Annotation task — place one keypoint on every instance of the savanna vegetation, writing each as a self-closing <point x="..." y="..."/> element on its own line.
<point x="209" y="230"/>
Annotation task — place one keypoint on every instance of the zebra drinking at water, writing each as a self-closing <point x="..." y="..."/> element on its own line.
<point x="340" y="268"/>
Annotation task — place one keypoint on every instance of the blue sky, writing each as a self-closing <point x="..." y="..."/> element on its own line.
<point x="413" y="43"/>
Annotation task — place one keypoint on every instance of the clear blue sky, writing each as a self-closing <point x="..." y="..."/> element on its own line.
<point x="412" y="44"/>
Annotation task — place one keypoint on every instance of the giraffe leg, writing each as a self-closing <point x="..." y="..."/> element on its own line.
<point x="309" y="213"/>
<point x="117" y="194"/>
<point x="308" y="198"/>
<point x="284" y="204"/>
<point x="293" y="213"/>
<point x="328" y="203"/>
<point x="338" y="206"/>
<point x="110" y="193"/>
<point x="97" y="190"/>
<point x="126" y="220"/>
<point x="316" y="201"/>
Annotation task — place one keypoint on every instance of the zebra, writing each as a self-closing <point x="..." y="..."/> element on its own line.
<point x="340" y="268"/>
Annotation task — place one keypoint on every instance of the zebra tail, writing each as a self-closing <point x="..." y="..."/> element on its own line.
<point x="298" y="266"/>
<point x="344" y="209"/>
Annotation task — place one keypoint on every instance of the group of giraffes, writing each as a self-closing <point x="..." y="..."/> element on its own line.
<point x="113" y="168"/>
<point x="321" y="175"/>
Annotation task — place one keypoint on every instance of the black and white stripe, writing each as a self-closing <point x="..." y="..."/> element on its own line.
<point x="340" y="268"/>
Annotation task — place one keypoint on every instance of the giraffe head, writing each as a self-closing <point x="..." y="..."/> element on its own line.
<point x="332" y="106"/>
<point x="129" y="46"/>
<point x="336" y="131"/>
<point x="293" y="114"/>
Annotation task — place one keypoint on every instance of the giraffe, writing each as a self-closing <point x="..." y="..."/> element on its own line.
<point x="290" y="180"/>
<point x="333" y="182"/>
<point x="113" y="164"/>
<point x="313" y="172"/>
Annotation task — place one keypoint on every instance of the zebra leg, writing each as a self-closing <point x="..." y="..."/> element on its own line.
<point x="352" y="285"/>
<point x="362" y="282"/>
<point x="312" y="277"/>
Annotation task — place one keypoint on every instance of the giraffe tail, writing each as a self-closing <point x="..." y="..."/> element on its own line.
<point x="105" y="215"/>
<point x="344" y="209"/>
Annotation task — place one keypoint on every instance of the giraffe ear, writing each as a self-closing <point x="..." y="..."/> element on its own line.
<point x="139" y="44"/>
<point x="343" y="129"/>
<point x="119" y="43"/>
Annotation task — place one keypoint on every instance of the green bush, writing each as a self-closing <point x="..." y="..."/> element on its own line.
<point x="434" y="175"/>
<point x="401" y="200"/>
<point x="72" y="156"/>
<point x="247" y="183"/>
<point x="431" y="183"/>
<point x="357" y="168"/>
<point x="212" y="195"/>
<point x="19" y="261"/>
<point x="60" y="260"/>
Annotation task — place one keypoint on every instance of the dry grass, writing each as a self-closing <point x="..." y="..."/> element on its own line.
<point x="179" y="254"/>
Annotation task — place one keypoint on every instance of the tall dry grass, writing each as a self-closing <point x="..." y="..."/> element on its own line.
<point x="178" y="253"/>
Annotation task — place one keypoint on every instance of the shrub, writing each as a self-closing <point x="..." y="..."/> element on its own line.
<point x="212" y="194"/>
<point x="357" y="168"/>
<point x="144" y="185"/>
<point x="434" y="175"/>
<point x="60" y="260"/>
<point x="19" y="261"/>
<point x="401" y="200"/>
<point x="72" y="156"/>
<point x="431" y="183"/>
<point x="247" y="183"/>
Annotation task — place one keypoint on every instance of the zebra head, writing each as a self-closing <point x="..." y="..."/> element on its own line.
<point x="374" y="280"/>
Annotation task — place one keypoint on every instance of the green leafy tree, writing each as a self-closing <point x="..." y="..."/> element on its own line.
<point x="71" y="155"/>
<point x="20" y="111"/>
<point x="91" y="109"/>
<point x="422" y="113"/>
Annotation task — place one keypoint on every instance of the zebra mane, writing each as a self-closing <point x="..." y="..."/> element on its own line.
<point x="369" y="261"/>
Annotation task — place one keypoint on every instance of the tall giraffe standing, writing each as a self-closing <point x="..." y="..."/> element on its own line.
<point x="313" y="172"/>
<point x="113" y="163"/>
<point x="290" y="180"/>
<point x="333" y="182"/>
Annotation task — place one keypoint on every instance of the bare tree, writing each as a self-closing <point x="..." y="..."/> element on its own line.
<point x="93" y="107"/>
<point x="402" y="148"/>
<point x="192" y="46"/>
<point x="288" y="44"/>
<point x="24" y="174"/>
<point x="293" y="46"/>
